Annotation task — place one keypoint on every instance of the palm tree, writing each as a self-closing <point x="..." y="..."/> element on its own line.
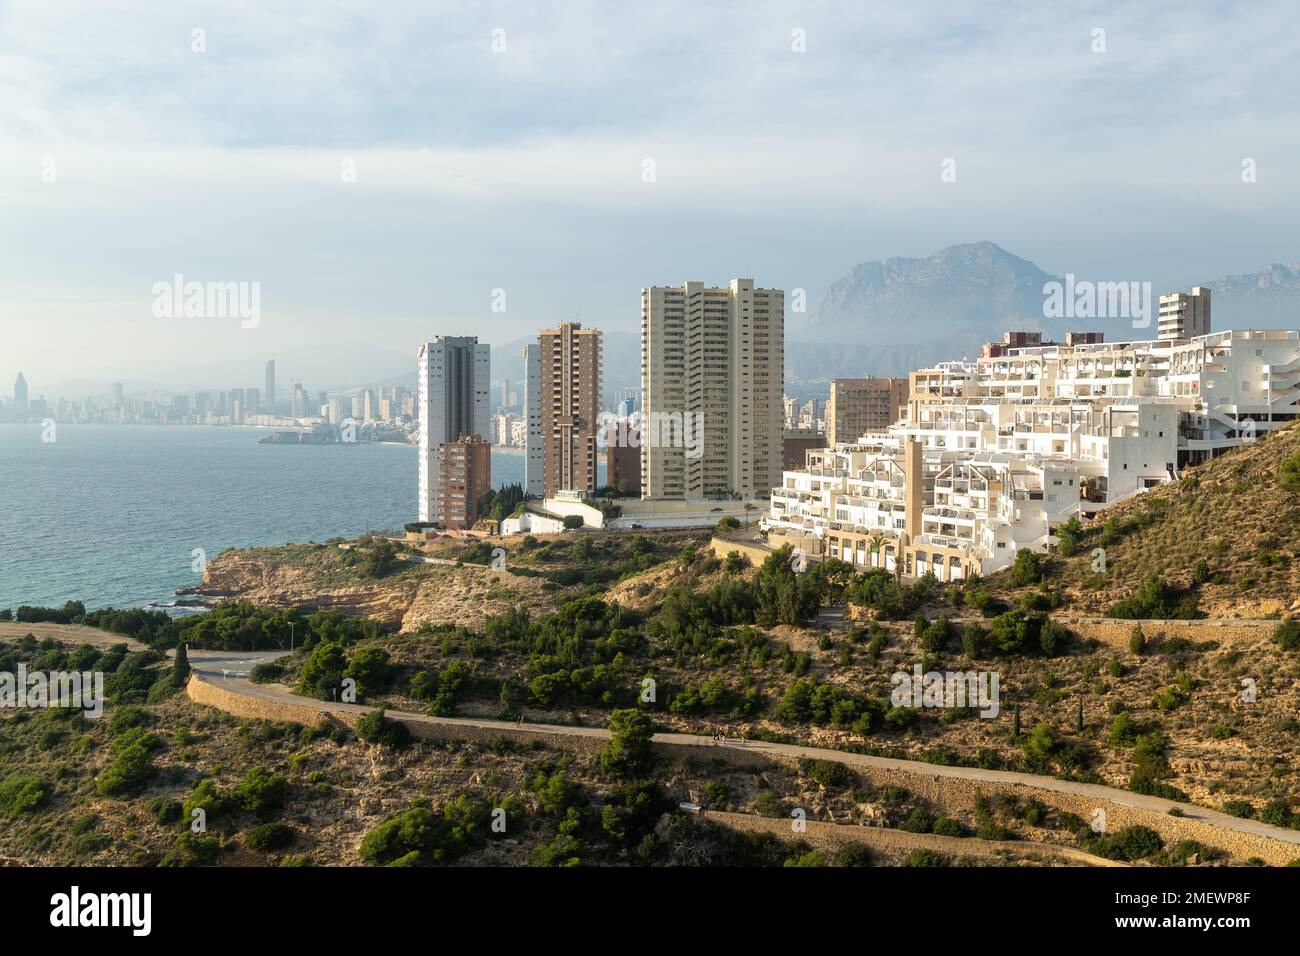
<point x="877" y="540"/>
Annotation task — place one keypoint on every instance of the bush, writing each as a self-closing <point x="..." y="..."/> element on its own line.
<point x="371" y="670"/>
<point x="927" y="858"/>
<point x="192" y="849"/>
<point x="419" y="836"/>
<point x="261" y="792"/>
<point x="1129" y="844"/>
<point x="127" y="775"/>
<point x="322" y="673"/>
<point x="1287" y="635"/>
<point x="628" y="752"/>
<point x="830" y="774"/>
<point x="1289" y="473"/>
<point x="1158" y="600"/>
<point x="573" y="522"/>
<point x="206" y="797"/>
<point x="270" y="836"/>
<point x="375" y="728"/>
<point x="1028" y="568"/>
<point x="22" y="794"/>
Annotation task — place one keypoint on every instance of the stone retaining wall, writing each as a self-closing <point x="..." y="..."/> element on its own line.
<point x="831" y="836"/>
<point x="1115" y="633"/>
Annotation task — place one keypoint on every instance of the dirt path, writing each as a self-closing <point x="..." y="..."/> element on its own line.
<point x="70" y="633"/>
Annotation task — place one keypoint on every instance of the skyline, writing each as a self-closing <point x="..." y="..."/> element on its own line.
<point x="227" y="165"/>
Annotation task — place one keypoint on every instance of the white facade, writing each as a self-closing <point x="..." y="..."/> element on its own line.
<point x="1031" y="438"/>
<point x="452" y="382"/>
<point x="534" y="445"/>
<point x="713" y="359"/>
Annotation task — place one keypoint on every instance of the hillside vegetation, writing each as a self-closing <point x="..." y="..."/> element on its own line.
<point x="1228" y="533"/>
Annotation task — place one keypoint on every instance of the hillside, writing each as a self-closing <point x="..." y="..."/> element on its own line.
<point x="1234" y="514"/>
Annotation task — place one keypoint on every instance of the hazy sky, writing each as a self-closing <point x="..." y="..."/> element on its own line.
<point x="126" y="157"/>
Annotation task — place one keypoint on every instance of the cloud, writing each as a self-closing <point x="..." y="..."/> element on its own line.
<point x="523" y="169"/>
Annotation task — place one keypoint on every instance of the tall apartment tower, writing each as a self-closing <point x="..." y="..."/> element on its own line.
<point x="452" y="381"/>
<point x="712" y="364"/>
<point x="20" y="393"/>
<point x="270" y="386"/>
<point x="861" y="405"/>
<point x="1185" y="315"/>
<point x="466" y="478"/>
<point x="570" y="366"/>
<point x="534" y="444"/>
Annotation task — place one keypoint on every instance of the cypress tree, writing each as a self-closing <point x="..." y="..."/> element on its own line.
<point x="180" y="667"/>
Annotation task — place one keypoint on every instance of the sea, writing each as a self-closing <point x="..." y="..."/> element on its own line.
<point x="112" y="515"/>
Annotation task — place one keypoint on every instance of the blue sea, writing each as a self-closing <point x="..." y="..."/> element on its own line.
<point x="111" y="514"/>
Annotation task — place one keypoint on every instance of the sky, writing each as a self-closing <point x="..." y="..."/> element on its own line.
<point x="387" y="172"/>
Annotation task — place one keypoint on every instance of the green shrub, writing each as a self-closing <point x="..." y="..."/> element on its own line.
<point x="22" y="794"/>
<point x="1287" y="635"/>
<point x="266" y="837"/>
<point x="375" y="728"/>
<point x="127" y="775"/>
<point x="628" y="752"/>
<point x="192" y="849"/>
<point x="260" y="792"/>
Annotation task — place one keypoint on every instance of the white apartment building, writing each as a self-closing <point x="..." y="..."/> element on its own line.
<point x="995" y="455"/>
<point x="534" y="443"/>
<point x="452" y="383"/>
<point x="712" y="363"/>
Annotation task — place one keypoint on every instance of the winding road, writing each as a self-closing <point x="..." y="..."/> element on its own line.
<point x="230" y="669"/>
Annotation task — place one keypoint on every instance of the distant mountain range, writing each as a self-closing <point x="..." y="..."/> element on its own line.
<point x="881" y="318"/>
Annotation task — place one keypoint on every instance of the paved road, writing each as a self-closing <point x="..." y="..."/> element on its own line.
<point x="229" y="669"/>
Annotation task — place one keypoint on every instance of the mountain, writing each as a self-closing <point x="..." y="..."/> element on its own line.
<point x="1264" y="300"/>
<point x="892" y="316"/>
<point x="953" y="300"/>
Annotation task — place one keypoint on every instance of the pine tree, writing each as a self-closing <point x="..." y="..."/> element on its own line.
<point x="1015" y="723"/>
<point x="1078" y="717"/>
<point x="180" y="667"/>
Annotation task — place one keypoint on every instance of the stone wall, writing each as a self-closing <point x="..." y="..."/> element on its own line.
<point x="1115" y="633"/>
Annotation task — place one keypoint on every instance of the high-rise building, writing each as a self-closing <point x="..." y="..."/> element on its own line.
<point x="20" y="393"/>
<point x="369" y="410"/>
<point x="253" y="401"/>
<point x="270" y="386"/>
<point x="570" y="405"/>
<point x="453" y="382"/>
<point x="466" y="478"/>
<point x="712" y="362"/>
<point x="118" y="398"/>
<point x="861" y="405"/>
<point x="534" y="446"/>
<point x="1185" y="315"/>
